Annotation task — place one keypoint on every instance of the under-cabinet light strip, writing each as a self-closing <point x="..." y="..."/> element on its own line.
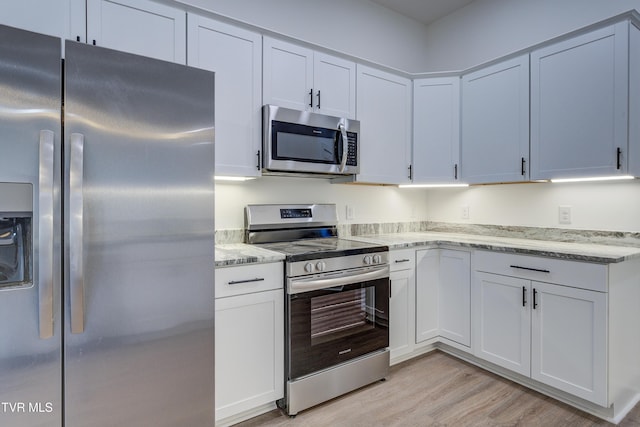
<point x="592" y="179"/>
<point x="432" y="185"/>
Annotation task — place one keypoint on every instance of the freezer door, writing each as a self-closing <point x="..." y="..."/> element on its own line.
<point x="139" y="241"/>
<point x="30" y="340"/>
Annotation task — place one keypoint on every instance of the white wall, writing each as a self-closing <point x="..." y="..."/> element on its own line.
<point x="359" y="28"/>
<point x="371" y="203"/>
<point x="488" y="29"/>
<point x="611" y="206"/>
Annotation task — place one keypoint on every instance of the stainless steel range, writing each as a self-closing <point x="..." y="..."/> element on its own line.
<point x="337" y="302"/>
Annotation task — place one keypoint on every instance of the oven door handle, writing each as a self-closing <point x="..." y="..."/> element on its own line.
<point x="297" y="286"/>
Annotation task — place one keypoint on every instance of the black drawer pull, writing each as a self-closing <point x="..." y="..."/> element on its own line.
<point x="524" y="296"/>
<point x="237" y="282"/>
<point x="530" y="269"/>
<point x="398" y="261"/>
<point x="535" y="303"/>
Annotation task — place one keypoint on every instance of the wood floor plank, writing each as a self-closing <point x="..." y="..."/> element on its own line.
<point x="439" y="390"/>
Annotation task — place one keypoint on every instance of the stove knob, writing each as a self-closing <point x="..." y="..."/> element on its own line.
<point x="377" y="259"/>
<point x="321" y="265"/>
<point x="308" y="267"/>
<point x="367" y="259"/>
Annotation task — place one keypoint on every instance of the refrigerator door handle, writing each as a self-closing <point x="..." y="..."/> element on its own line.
<point x="45" y="233"/>
<point x="76" y="277"/>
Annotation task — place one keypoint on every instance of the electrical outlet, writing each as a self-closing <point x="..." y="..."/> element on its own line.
<point x="564" y="214"/>
<point x="351" y="212"/>
<point x="464" y="212"/>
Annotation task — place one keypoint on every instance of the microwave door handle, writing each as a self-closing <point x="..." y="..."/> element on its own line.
<point x="345" y="147"/>
<point x="45" y="233"/>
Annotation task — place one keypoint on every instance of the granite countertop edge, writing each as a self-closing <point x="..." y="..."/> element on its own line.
<point x="594" y="253"/>
<point x="233" y="254"/>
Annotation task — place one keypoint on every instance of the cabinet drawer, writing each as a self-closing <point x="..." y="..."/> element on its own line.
<point x="402" y="259"/>
<point x="551" y="270"/>
<point x="247" y="279"/>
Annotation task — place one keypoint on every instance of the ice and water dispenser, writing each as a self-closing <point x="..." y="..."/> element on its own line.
<point x="16" y="219"/>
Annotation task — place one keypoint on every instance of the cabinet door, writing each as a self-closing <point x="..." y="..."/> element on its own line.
<point x="502" y="321"/>
<point x="436" y="130"/>
<point x="634" y="100"/>
<point x="235" y="55"/>
<point x="334" y="86"/>
<point x="287" y="75"/>
<point x="62" y="18"/>
<point x="579" y="98"/>
<point x="495" y="123"/>
<point x="427" y="264"/>
<point x="401" y="312"/>
<point x="569" y="340"/>
<point x="249" y="351"/>
<point x="454" y="296"/>
<point x="384" y="111"/>
<point x="142" y="27"/>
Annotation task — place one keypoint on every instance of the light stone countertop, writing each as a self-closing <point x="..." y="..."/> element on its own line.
<point x="229" y="254"/>
<point x="596" y="253"/>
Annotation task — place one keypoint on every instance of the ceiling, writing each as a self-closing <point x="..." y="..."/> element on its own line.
<point x="425" y="11"/>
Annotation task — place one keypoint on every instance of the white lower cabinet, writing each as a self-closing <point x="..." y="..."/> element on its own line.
<point x="402" y="303"/>
<point x="249" y="352"/>
<point x="454" y="296"/>
<point x="553" y="333"/>
<point x="426" y="294"/>
<point x="443" y="300"/>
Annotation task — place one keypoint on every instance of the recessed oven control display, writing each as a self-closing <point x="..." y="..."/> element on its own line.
<point x="295" y="213"/>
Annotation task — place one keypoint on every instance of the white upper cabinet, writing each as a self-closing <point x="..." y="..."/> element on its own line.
<point x="436" y="130"/>
<point x="235" y="55"/>
<point x="384" y="112"/>
<point x="302" y="79"/>
<point x="634" y="101"/>
<point x="142" y="27"/>
<point x="495" y="123"/>
<point x="579" y="101"/>
<point x="61" y="18"/>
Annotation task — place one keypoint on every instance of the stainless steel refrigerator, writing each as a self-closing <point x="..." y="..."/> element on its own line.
<point x="106" y="237"/>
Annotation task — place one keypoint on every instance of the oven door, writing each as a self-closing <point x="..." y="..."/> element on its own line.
<point x="346" y="319"/>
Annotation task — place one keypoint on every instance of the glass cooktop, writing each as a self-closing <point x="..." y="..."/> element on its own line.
<point x="303" y="250"/>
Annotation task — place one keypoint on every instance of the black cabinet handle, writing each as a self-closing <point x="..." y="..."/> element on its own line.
<point x="522" y="168"/>
<point x="318" y="100"/>
<point x="618" y="158"/>
<point x="455" y="171"/>
<point x="94" y="42"/>
<point x="237" y="282"/>
<point x="77" y="38"/>
<point x="311" y="98"/>
<point x="530" y="269"/>
<point x="258" y="155"/>
<point x="524" y="296"/>
<point x="410" y="172"/>
<point x="398" y="261"/>
<point x="535" y="293"/>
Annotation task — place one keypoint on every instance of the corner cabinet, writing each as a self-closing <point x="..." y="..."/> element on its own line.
<point x="235" y="55"/>
<point x="495" y="123"/>
<point x="302" y="79"/>
<point x="554" y="333"/>
<point x="249" y="356"/>
<point x="443" y="297"/>
<point x="384" y="112"/>
<point x="579" y="105"/>
<point x="436" y="130"/>
<point x="142" y="27"/>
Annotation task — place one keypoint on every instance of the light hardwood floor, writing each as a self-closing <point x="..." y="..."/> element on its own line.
<point x="439" y="390"/>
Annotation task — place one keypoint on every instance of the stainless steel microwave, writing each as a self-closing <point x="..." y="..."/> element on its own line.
<point x="304" y="142"/>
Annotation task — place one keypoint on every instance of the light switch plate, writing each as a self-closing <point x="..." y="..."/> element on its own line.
<point x="564" y="214"/>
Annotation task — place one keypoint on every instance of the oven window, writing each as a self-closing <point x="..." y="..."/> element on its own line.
<point x="342" y="314"/>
